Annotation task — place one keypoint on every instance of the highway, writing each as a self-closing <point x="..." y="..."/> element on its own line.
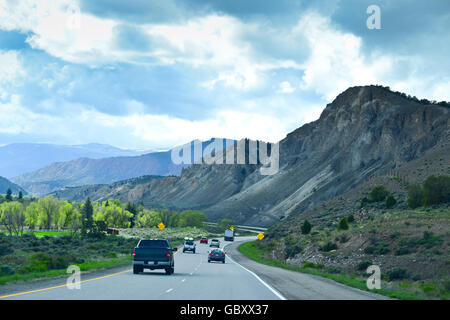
<point x="194" y="279"/>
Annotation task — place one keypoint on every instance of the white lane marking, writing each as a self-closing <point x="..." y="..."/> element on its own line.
<point x="275" y="292"/>
<point x="183" y="280"/>
<point x="169" y="290"/>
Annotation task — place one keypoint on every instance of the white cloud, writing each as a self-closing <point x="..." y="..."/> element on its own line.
<point x="285" y="87"/>
<point x="10" y="66"/>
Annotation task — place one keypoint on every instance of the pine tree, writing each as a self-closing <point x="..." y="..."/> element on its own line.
<point x="306" y="227"/>
<point x="9" y="195"/>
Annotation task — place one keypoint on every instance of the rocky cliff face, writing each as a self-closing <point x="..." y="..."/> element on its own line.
<point x="363" y="131"/>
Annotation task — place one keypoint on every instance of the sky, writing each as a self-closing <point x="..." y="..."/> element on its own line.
<point x="148" y="74"/>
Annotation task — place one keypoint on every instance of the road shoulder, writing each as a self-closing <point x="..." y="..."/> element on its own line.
<point x="299" y="286"/>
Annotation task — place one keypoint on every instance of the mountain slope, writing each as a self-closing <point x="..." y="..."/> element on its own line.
<point x="5" y="184"/>
<point x="19" y="158"/>
<point x="85" y="171"/>
<point x="364" y="131"/>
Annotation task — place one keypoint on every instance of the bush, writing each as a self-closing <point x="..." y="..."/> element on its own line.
<point x="351" y="218"/>
<point x="343" y="224"/>
<point x="390" y="201"/>
<point x="377" y="248"/>
<point x="5" y="249"/>
<point x="397" y="274"/>
<point x="306" y="227"/>
<point x="363" y="265"/>
<point x="328" y="246"/>
<point x="436" y="190"/>
<point x="6" y="270"/>
<point x="415" y="196"/>
<point x="312" y="265"/>
<point x="378" y="194"/>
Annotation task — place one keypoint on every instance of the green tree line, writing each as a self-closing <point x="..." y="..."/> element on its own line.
<point x="17" y="215"/>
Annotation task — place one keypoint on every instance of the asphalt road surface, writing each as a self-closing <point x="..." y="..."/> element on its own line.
<point x="194" y="279"/>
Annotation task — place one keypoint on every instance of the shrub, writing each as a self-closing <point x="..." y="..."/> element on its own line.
<point x="328" y="246"/>
<point x="364" y="201"/>
<point x="390" y="201"/>
<point x="343" y="224"/>
<point x="306" y="227"/>
<point x="378" y="194"/>
<point x="397" y="274"/>
<point x="377" y="248"/>
<point x="6" y="270"/>
<point x="312" y="265"/>
<point x="351" y="218"/>
<point x="343" y="238"/>
<point x="436" y="190"/>
<point x="5" y="249"/>
<point x="363" y="265"/>
<point x="415" y="196"/>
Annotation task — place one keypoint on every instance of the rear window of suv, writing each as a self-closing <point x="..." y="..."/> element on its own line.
<point x="154" y="244"/>
<point x="189" y="243"/>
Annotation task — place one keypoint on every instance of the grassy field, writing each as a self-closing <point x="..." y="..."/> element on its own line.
<point x="254" y="252"/>
<point x="46" y="254"/>
<point x="87" y="266"/>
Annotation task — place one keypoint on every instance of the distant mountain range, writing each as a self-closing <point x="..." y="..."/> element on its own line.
<point x="5" y="184"/>
<point x="19" y="158"/>
<point x="87" y="171"/>
<point x="365" y="131"/>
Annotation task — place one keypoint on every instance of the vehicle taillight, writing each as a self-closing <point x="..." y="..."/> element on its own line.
<point x="134" y="254"/>
<point x="223" y="254"/>
<point x="168" y="254"/>
<point x="210" y="253"/>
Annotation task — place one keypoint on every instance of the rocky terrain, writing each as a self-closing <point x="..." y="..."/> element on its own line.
<point x="366" y="131"/>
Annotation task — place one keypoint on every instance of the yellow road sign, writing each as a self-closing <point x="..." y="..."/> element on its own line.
<point x="231" y="228"/>
<point x="260" y="236"/>
<point x="161" y="226"/>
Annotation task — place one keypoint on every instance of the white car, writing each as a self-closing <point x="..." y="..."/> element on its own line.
<point x="189" y="245"/>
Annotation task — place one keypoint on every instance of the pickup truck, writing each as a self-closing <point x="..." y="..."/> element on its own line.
<point x="153" y="254"/>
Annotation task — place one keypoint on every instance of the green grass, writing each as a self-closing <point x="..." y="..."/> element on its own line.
<point x="251" y="250"/>
<point x="87" y="266"/>
<point x="40" y="234"/>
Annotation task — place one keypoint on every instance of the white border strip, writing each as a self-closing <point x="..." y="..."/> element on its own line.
<point x="275" y="292"/>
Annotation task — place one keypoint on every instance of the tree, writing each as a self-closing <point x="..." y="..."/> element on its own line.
<point x="390" y="201"/>
<point x="436" y="190"/>
<point x="49" y="212"/>
<point x="191" y="218"/>
<point x="343" y="224"/>
<point x="134" y="210"/>
<point x="9" y="195"/>
<point x="12" y="216"/>
<point x="225" y="223"/>
<point x="20" y="196"/>
<point x="32" y="215"/>
<point x="378" y="193"/>
<point x="87" y="215"/>
<point x="113" y="216"/>
<point x="351" y="218"/>
<point x="415" y="196"/>
<point x="306" y="227"/>
<point x="148" y="219"/>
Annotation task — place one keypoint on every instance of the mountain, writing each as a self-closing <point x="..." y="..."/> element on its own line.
<point x="5" y="184"/>
<point x="85" y="171"/>
<point x="19" y="158"/>
<point x="363" y="132"/>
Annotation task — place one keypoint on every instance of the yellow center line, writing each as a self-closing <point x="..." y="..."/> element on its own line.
<point x="63" y="285"/>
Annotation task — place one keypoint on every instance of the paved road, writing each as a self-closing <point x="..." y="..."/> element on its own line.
<point x="194" y="279"/>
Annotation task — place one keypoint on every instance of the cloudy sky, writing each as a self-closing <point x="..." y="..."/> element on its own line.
<point x="154" y="74"/>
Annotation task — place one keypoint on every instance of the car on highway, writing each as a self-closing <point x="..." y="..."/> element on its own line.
<point x="154" y="254"/>
<point x="189" y="245"/>
<point x="204" y="240"/>
<point x="216" y="255"/>
<point x="215" y="243"/>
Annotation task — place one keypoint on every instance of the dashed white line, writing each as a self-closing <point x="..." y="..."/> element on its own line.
<point x="167" y="291"/>
<point x="183" y="280"/>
